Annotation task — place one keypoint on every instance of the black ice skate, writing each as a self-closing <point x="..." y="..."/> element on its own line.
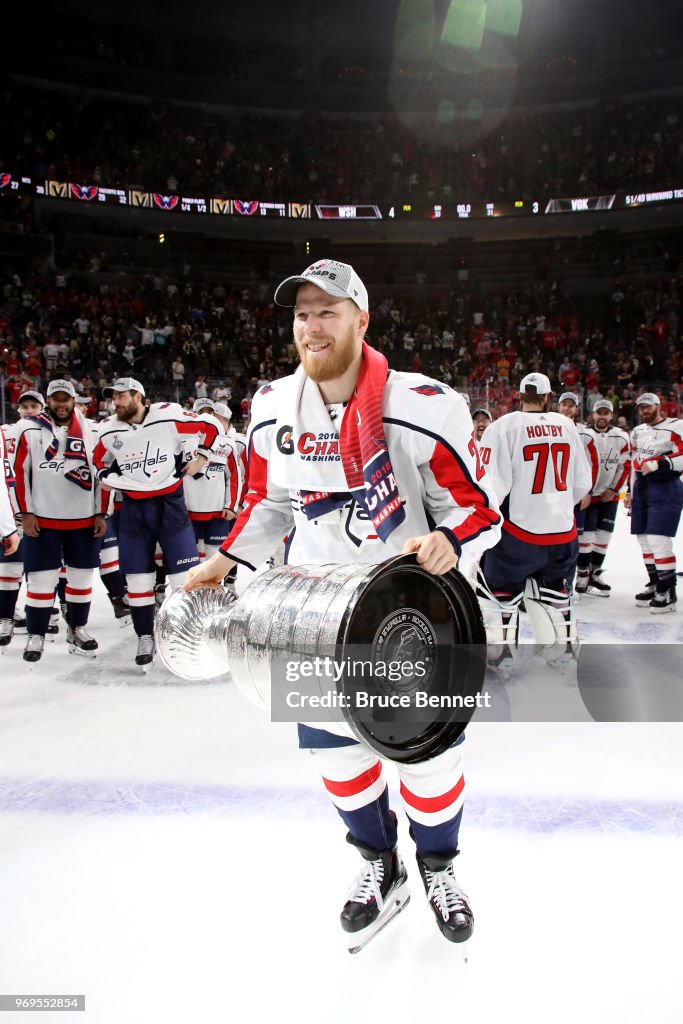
<point x="644" y="598"/>
<point x="376" y="896"/>
<point x="582" y="580"/>
<point x="449" y="903"/>
<point x="34" y="647"/>
<point x="121" y="610"/>
<point x="53" y="627"/>
<point x="19" y="623"/>
<point x="664" y="601"/>
<point x="145" y="656"/>
<point x="6" y="631"/>
<point x="597" y="585"/>
<point x="80" y="642"/>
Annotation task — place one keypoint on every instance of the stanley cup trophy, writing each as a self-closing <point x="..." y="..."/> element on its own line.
<point x="398" y="656"/>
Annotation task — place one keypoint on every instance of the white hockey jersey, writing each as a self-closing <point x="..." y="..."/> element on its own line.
<point x="239" y="443"/>
<point x="217" y="487"/>
<point x="654" y="441"/>
<point x="144" y="460"/>
<point x="42" y="485"/>
<point x="436" y="465"/>
<point x="7" y="524"/>
<point x="613" y="449"/>
<point x="539" y="471"/>
<point x="588" y="442"/>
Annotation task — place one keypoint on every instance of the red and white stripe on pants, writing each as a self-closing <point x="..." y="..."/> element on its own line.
<point x="432" y="792"/>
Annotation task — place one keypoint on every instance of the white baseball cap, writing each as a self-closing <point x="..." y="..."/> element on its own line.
<point x="603" y="403"/>
<point x="123" y="384"/>
<point x="202" y="403"/>
<point x="647" y="398"/>
<point x="571" y="396"/>
<point x="337" y="279"/>
<point x="538" y="381"/>
<point x="483" y="411"/>
<point x="221" y="409"/>
<point x="33" y="396"/>
<point x="61" y="385"/>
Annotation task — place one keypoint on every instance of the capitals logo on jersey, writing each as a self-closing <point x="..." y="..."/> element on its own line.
<point x="84" y="192"/>
<point x="266" y="389"/>
<point x="245" y="207"/>
<point x="429" y="390"/>
<point x="5" y="179"/>
<point x="165" y="202"/>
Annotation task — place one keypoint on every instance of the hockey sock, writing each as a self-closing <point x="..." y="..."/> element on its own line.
<point x="648" y="558"/>
<point x="78" y="595"/>
<point x="143" y="619"/>
<point x="8" y="602"/>
<point x="61" y="586"/>
<point x="40" y="596"/>
<point x="353" y="777"/>
<point x="114" y="583"/>
<point x="584" y="560"/>
<point x="433" y="794"/>
<point x="600" y="544"/>
<point x="141" y="601"/>
<point x="662" y="549"/>
<point x="10" y="581"/>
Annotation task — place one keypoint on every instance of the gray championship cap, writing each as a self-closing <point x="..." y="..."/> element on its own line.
<point x="123" y="384"/>
<point x="33" y="396"/>
<point x="61" y="385"/>
<point x="647" y="398"/>
<point x="202" y="403"/>
<point x="337" y="279"/>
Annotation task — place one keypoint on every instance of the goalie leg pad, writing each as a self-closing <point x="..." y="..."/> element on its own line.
<point x="501" y="620"/>
<point x="551" y="613"/>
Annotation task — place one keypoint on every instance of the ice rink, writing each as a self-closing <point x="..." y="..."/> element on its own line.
<point x="168" y="852"/>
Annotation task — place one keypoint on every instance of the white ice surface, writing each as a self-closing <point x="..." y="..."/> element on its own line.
<point x="167" y="851"/>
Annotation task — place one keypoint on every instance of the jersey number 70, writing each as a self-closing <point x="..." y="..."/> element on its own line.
<point x="559" y="457"/>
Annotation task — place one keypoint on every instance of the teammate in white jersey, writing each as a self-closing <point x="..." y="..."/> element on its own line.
<point x="58" y="498"/>
<point x="540" y="472"/>
<point x="656" y="499"/>
<point x="612" y="448"/>
<point x="9" y="535"/>
<point x="212" y="496"/>
<point x="30" y="403"/>
<point x="355" y="464"/>
<point x="140" y="452"/>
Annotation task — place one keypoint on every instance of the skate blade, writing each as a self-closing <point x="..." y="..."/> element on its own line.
<point x="397" y="902"/>
<point x="462" y="948"/>
<point x="80" y="653"/>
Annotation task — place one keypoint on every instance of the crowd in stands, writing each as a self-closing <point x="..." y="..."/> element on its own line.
<point x="182" y="338"/>
<point x="73" y="136"/>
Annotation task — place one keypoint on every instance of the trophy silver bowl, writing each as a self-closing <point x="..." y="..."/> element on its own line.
<point x="353" y="615"/>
